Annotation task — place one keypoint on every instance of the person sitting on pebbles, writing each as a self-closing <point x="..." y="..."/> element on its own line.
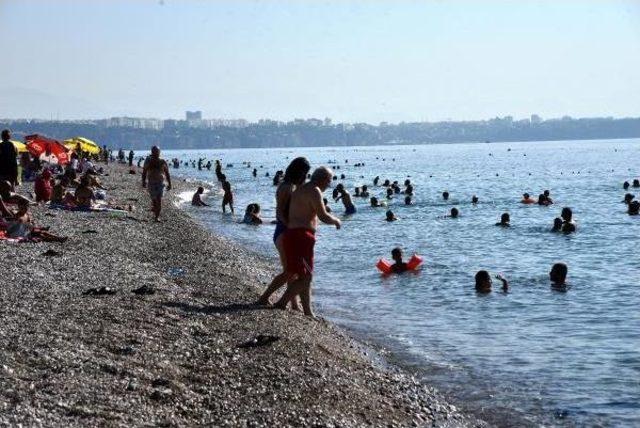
<point x="84" y="193"/>
<point x="197" y="201"/>
<point x="10" y="197"/>
<point x="21" y="227"/>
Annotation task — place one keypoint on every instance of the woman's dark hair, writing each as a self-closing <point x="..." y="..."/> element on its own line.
<point x="297" y="171"/>
<point x="481" y="277"/>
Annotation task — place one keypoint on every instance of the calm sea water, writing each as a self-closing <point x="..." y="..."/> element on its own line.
<point x="531" y="355"/>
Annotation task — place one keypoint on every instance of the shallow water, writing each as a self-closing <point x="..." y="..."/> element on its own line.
<point x="532" y="354"/>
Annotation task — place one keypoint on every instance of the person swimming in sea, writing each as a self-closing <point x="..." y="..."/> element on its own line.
<point x="628" y="198"/>
<point x="527" y="199"/>
<point x="197" y="201"/>
<point x="389" y="193"/>
<point x="504" y="220"/>
<point x="625" y="185"/>
<point x="374" y="202"/>
<point x="558" y="275"/>
<point x="345" y="196"/>
<point x="407" y="200"/>
<point x="542" y="200"/>
<point x="454" y="213"/>
<point x="390" y="216"/>
<point x="364" y="193"/>
<point x="634" y="208"/>
<point x="557" y="225"/>
<point x="547" y="195"/>
<point x="636" y="183"/>
<point x="568" y="224"/>
<point x="252" y="215"/>
<point x="484" y="283"/>
<point x="474" y="199"/>
<point x="445" y="195"/>
<point x="399" y="266"/>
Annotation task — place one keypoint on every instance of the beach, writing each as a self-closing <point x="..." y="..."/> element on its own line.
<point x="173" y="358"/>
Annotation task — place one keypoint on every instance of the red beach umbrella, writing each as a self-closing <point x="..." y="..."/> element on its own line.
<point x="47" y="149"/>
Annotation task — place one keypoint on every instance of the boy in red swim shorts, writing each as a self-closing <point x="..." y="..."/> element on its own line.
<point x="305" y="208"/>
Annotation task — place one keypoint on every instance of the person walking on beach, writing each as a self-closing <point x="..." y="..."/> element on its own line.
<point x="305" y="208"/>
<point x="294" y="176"/>
<point x="8" y="160"/>
<point x="156" y="170"/>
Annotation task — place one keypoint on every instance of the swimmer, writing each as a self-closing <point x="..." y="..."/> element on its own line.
<point x="349" y="208"/>
<point x="357" y="192"/>
<point x="374" y="202"/>
<point x="196" y="201"/>
<point x="558" y="275"/>
<point x="407" y="200"/>
<point x="526" y="199"/>
<point x="504" y="220"/>
<point x="454" y="213"/>
<point x="557" y="225"/>
<point x="408" y="190"/>
<point x="255" y="172"/>
<point x="252" y="215"/>
<point x="483" y="282"/>
<point x="391" y="216"/>
<point x="445" y="195"/>
<point x="399" y="266"/>
<point x="364" y="193"/>
<point x="389" y="193"/>
<point x="636" y="183"/>
<point x="542" y="200"/>
<point x="628" y="198"/>
<point x="376" y="180"/>
<point x="227" y="198"/>
<point x="625" y="185"/>
<point x="568" y="225"/>
<point x="474" y="199"/>
<point x="546" y="194"/>
<point x="634" y="207"/>
<point x="386" y="183"/>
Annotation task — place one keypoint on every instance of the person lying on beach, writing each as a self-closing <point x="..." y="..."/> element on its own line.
<point x="197" y="201"/>
<point x="526" y="199"/>
<point x="349" y="208"/>
<point x="504" y="220"/>
<point x="391" y="216"/>
<point x="22" y="227"/>
<point x="568" y="225"/>
<point x="634" y="207"/>
<point x="483" y="282"/>
<point x="557" y="225"/>
<point x="399" y="266"/>
<point x="227" y="197"/>
<point x="8" y="196"/>
<point x="4" y="210"/>
<point x="558" y="275"/>
<point x="252" y="215"/>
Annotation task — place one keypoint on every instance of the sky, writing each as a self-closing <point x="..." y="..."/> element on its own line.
<point x="352" y="61"/>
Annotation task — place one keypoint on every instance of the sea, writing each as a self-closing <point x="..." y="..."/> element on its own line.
<point x="532" y="356"/>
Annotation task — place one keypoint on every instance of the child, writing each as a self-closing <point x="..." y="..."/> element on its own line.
<point x="42" y="186"/>
<point x="399" y="266"/>
<point x="252" y="214"/>
<point x="227" y="199"/>
<point x="196" y="201"/>
<point x="557" y="225"/>
<point x="483" y="282"/>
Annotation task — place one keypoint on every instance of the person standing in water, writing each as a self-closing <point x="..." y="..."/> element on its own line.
<point x="227" y="198"/>
<point x="305" y="208"/>
<point x="294" y="176"/>
<point x="155" y="171"/>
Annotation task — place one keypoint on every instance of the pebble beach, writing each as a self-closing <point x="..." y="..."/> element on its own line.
<point x="188" y="353"/>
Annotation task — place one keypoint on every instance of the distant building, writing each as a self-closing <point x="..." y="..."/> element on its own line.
<point x="535" y="119"/>
<point x="327" y="121"/>
<point x="194" y="115"/>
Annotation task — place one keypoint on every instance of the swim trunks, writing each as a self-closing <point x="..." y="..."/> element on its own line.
<point x="298" y="250"/>
<point x="156" y="190"/>
<point x="350" y="210"/>
<point x="280" y="229"/>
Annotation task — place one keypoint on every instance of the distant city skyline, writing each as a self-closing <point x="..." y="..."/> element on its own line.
<point x="352" y="61"/>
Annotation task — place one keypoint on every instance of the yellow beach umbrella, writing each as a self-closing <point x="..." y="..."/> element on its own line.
<point x="20" y="147"/>
<point x="86" y="145"/>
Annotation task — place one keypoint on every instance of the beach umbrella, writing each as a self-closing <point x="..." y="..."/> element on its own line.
<point x="86" y="145"/>
<point x="20" y="147"/>
<point x="47" y="149"/>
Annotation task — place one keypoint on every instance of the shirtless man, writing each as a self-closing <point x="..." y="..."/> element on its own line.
<point x="343" y="194"/>
<point x="156" y="169"/>
<point x="305" y="208"/>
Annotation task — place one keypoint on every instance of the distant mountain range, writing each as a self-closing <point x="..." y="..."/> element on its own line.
<point x="172" y="134"/>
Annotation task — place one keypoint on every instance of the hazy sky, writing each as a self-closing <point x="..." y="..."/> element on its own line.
<point x="352" y="61"/>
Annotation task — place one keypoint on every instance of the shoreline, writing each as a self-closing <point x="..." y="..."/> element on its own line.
<point x="172" y="358"/>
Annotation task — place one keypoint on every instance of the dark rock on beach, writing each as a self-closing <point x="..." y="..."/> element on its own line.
<point x="169" y="353"/>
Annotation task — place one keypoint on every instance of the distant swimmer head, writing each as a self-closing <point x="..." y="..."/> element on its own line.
<point x="454" y="213"/>
<point x="390" y="216"/>
<point x="389" y="192"/>
<point x="625" y="185"/>
<point x="374" y="201"/>
<point x="364" y="188"/>
<point x="445" y="195"/>
<point x="297" y="171"/>
<point x="634" y="208"/>
<point x="483" y="281"/>
<point x="566" y="214"/>
<point x="386" y="183"/>
<point x="342" y="177"/>
<point x="474" y="199"/>
<point x="340" y="187"/>
<point x="546" y="193"/>
<point x="542" y="199"/>
<point x="557" y="224"/>
<point x="321" y="177"/>
<point x="636" y="183"/>
<point x="558" y="274"/>
<point x="505" y="219"/>
<point x="525" y="196"/>
<point x="407" y="182"/>
<point x="628" y="198"/>
<point x="396" y="254"/>
<point x="407" y="200"/>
